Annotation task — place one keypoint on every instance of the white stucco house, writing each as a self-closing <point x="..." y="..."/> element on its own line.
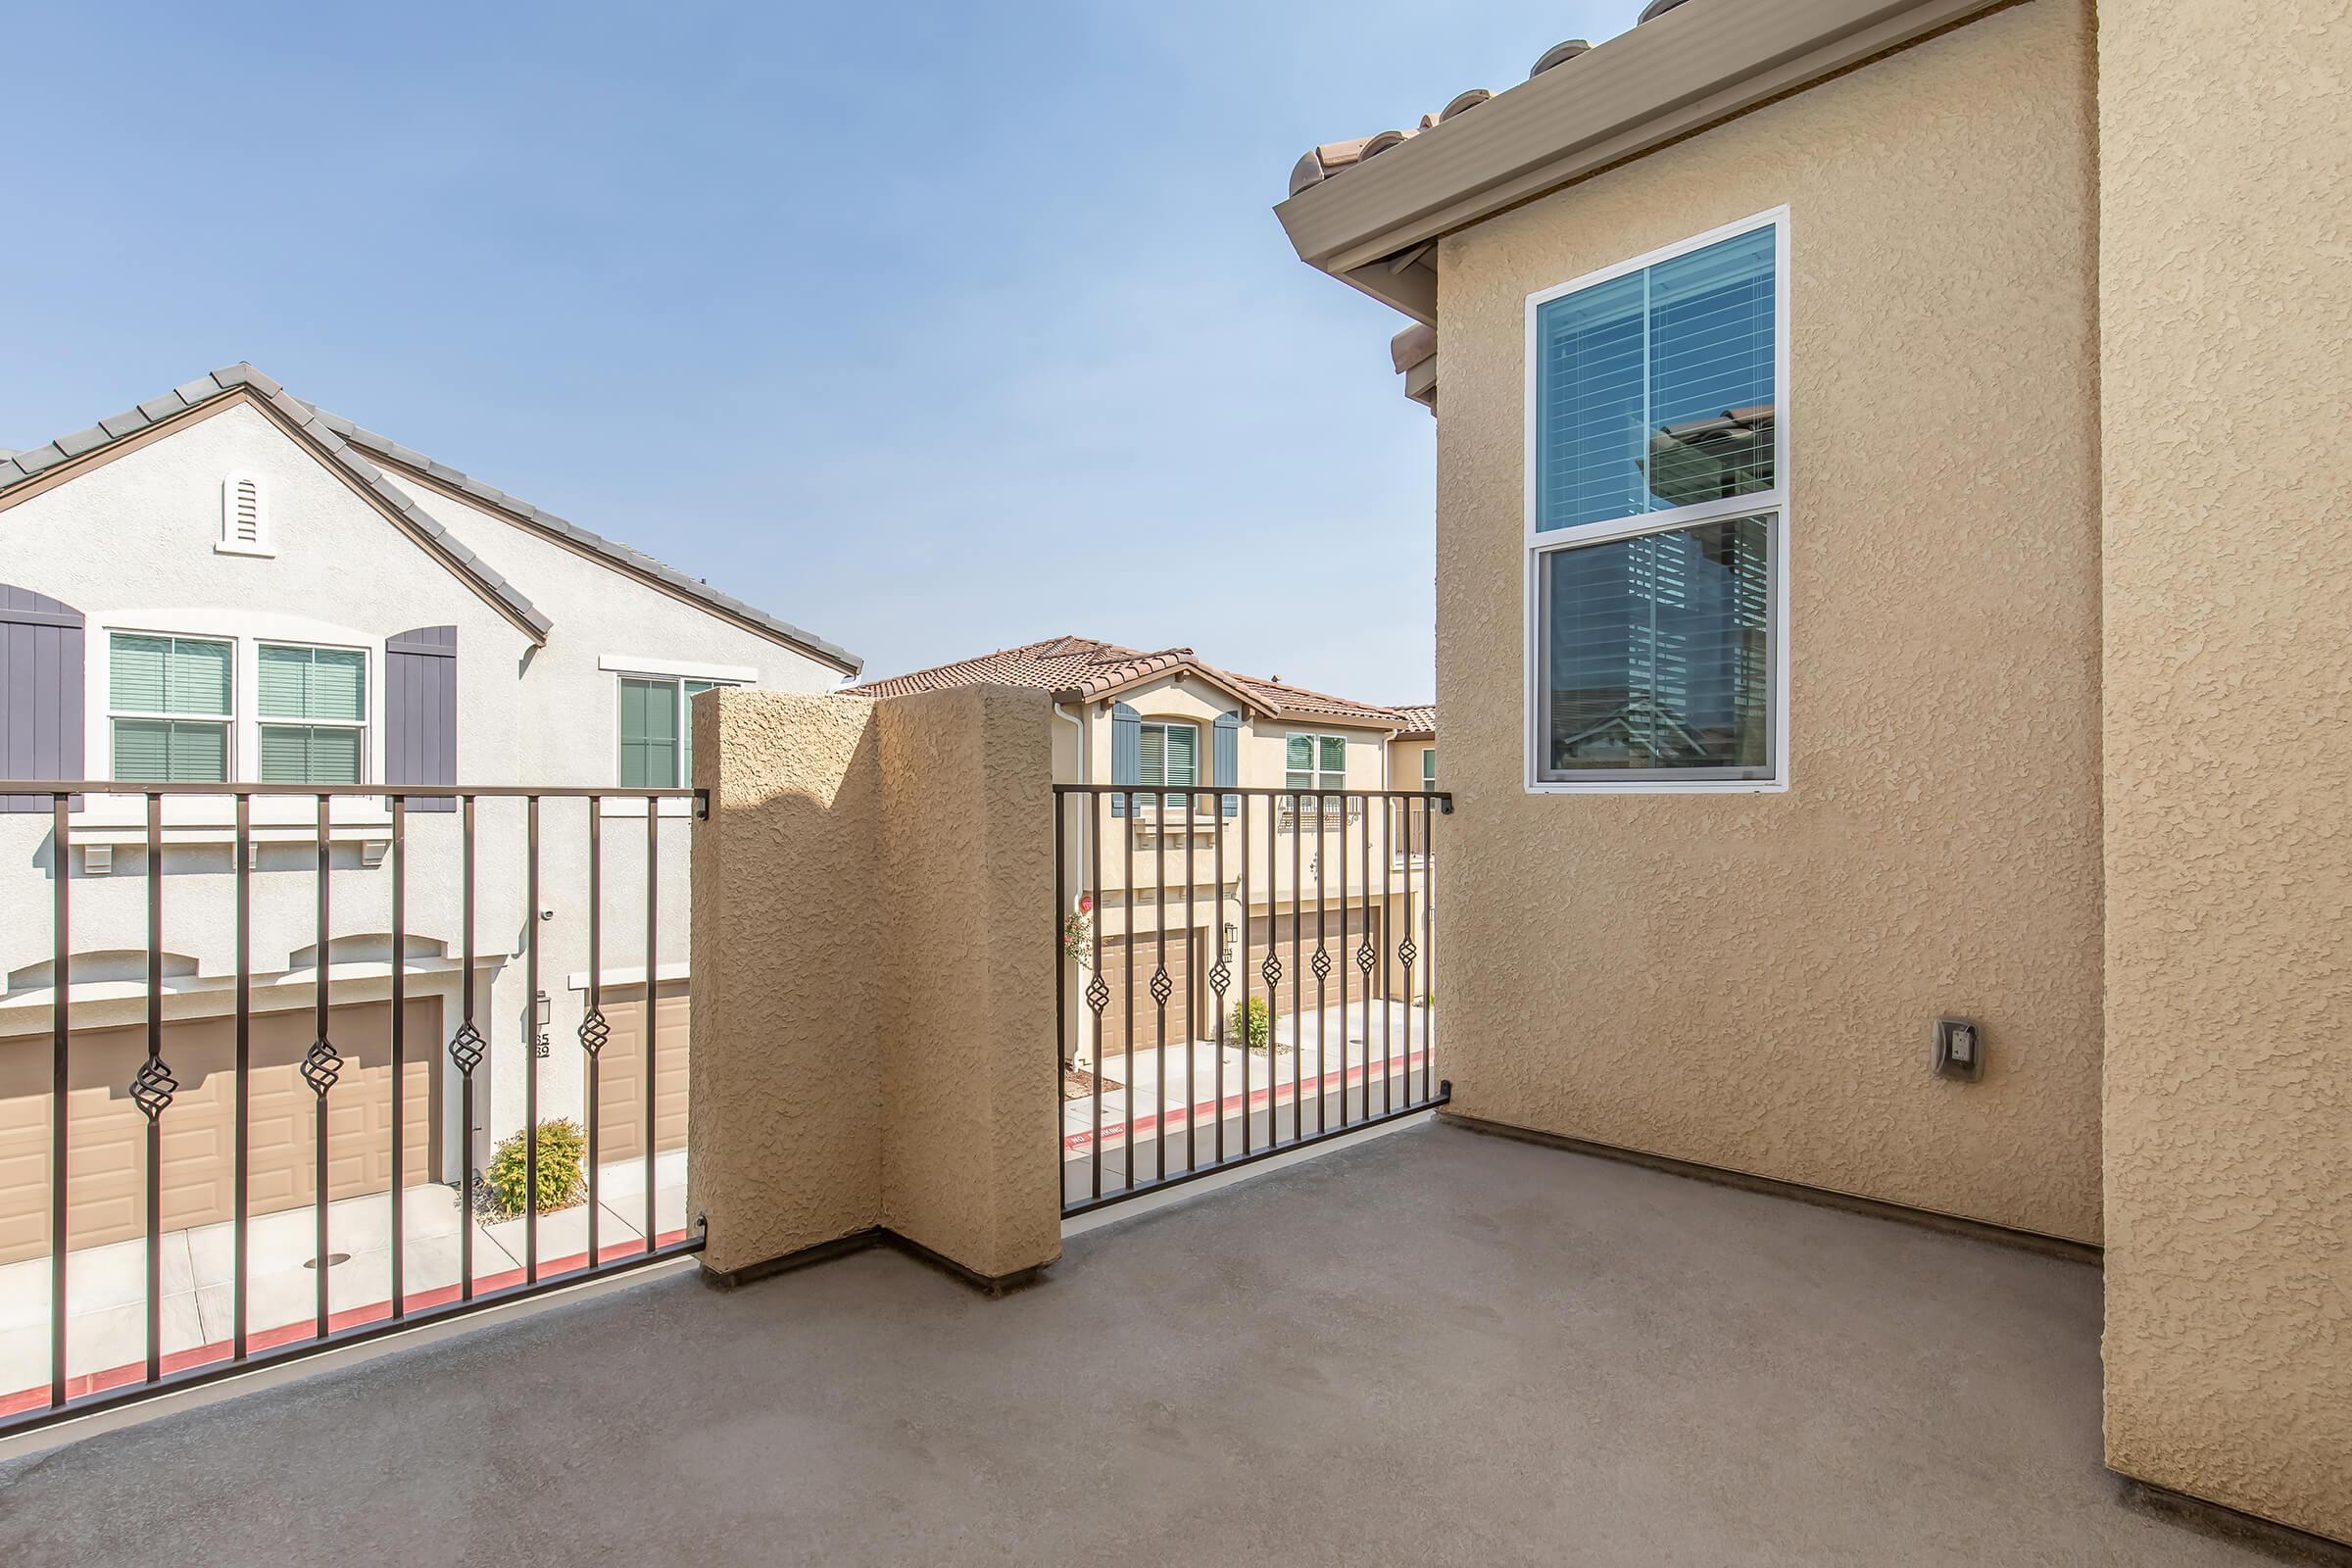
<point x="230" y="584"/>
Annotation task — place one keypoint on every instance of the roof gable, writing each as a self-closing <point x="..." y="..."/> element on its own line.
<point x="69" y="456"/>
<point x="353" y="455"/>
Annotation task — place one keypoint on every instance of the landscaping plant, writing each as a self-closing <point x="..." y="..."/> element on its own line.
<point x="563" y="1146"/>
<point x="1252" y="1022"/>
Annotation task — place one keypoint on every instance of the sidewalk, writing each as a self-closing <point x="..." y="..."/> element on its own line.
<point x="1163" y="1105"/>
<point x="105" y="1317"/>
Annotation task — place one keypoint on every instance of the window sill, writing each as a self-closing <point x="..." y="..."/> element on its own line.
<point x="1689" y="786"/>
<point x="635" y="804"/>
<point x="99" y="839"/>
<point x="257" y="552"/>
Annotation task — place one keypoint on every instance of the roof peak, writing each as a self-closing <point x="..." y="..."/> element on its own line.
<point x="341" y="442"/>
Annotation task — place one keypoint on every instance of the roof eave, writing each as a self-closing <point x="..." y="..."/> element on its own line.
<point x="1696" y="66"/>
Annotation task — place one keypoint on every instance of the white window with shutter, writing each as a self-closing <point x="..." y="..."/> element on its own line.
<point x="244" y="517"/>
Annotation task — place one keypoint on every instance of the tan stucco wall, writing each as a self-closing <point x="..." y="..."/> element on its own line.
<point x="874" y="1021"/>
<point x="970" y="1108"/>
<point x="2226" y="290"/>
<point x="784" y="1078"/>
<point x="1749" y="980"/>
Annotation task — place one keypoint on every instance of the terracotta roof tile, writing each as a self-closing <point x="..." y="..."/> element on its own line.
<point x="1420" y="719"/>
<point x="1084" y="668"/>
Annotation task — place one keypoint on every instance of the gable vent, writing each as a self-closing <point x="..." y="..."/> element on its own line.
<point x="244" y="517"/>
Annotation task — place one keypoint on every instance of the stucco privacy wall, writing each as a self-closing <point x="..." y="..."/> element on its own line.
<point x="784" y="1076"/>
<point x="1747" y="980"/>
<point x="873" y="1019"/>
<point x="2226" y="290"/>
<point x="970" y="1106"/>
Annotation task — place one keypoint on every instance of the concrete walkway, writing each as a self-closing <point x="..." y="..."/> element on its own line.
<point x="1434" y="1349"/>
<point x="106" y="1314"/>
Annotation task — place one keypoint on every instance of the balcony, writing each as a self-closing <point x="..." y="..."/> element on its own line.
<point x="1434" y="1347"/>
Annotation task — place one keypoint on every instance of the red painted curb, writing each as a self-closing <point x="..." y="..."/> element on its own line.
<point x="1169" y="1121"/>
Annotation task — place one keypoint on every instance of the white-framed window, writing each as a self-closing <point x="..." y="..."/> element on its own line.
<point x="311" y="708"/>
<point x="655" y="730"/>
<point x="1429" y="767"/>
<point x="1312" y="762"/>
<point x="1168" y="755"/>
<point x="1658" y="520"/>
<point x="171" y="707"/>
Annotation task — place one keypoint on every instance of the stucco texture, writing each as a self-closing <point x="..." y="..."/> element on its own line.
<point x="971" y="1109"/>
<point x="2226" y="286"/>
<point x="784" y="1076"/>
<point x="873" y="1019"/>
<point x="1749" y="980"/>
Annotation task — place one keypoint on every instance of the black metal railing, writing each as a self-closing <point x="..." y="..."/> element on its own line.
<point x="1224" y="907"/>
<point x="293" y="818"/>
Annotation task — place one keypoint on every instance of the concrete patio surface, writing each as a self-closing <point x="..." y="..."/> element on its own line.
<point x="1432" y="1348"/>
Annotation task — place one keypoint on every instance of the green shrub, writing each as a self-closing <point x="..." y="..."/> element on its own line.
<point x="1252" y="1022"/>
<point x="563" y="1147"/>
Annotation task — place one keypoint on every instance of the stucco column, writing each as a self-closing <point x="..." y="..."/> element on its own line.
<point x="874" y="1045"/>
<point x="2225" y="288"/>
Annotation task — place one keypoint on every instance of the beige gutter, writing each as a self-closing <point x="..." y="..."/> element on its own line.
<point x="1697" y="65"/>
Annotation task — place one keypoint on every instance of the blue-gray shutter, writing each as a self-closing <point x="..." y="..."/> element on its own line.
<point x="1126" y="751"/>
<point x="40" y="693"/>
<point x="1226" y="741"/>
<point x="420" y="713"/>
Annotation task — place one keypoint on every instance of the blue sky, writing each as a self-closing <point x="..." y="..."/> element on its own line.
<point x="931" y="327"/>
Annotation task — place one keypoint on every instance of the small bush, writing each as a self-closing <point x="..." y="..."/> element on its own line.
<point x="1252" y="1022"/>
<point x="563" y="1147"/>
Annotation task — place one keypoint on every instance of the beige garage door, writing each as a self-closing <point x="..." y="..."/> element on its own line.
<point x="107" y="1135"/>
<point x="1343" y="932"/>
<point x="1142" y="954"/>
<point x="620" y="1075"/>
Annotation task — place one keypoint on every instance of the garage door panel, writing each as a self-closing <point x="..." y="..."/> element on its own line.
<point x="620" y="1081"/>
<point x="107" y="1135"/>
<point x="1136" y="960"/>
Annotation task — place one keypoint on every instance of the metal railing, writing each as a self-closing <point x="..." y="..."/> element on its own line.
<point x="1265" y="899"/>
<point x="383" y="822"/>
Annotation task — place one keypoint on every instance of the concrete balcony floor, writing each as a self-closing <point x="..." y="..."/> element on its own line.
<point x="1431" y="1348"/>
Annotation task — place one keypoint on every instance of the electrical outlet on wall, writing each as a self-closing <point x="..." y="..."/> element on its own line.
<point x="1959" y="1048"/>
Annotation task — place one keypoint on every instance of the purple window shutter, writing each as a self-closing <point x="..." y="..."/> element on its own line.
<point x="40" y="693"/>
<point x="420" y="713"/>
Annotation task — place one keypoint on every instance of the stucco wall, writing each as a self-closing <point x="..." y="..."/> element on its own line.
<point x="970" y="1106"/>
<point x="129" y="542"/>
<point x="2225" y="287"/>
<point x="1749" y="980"/>
<point x="874" y="1013"/>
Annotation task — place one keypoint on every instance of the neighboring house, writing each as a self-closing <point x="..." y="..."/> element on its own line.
<point x="229" y="584"/>
<point x="1905" y="430"/>
<point x="1170" y="719"/>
